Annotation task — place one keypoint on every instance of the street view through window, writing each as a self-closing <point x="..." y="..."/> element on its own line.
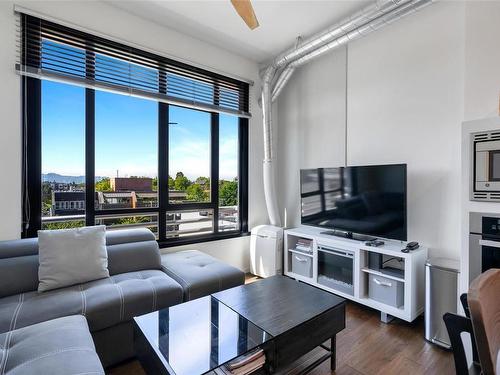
<point x="127" y="161"/>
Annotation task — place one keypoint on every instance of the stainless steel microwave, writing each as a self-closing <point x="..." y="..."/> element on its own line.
<point x="486" y="166"/>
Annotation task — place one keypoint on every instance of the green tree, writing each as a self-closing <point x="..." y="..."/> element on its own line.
<point x="103" y="185"/>
<point x="132" y="220"/>
<point x="64" y="225"/>
<point x="196" y="193"/>
<point x="46" y="193"/>
<point x="155" y="184"/>
<point x="181" y="182"/>
<point x="46" y="208"/>
<point x="228" y="193"/>
<point x="171" y="183"/>
<point x="204" y="182"/>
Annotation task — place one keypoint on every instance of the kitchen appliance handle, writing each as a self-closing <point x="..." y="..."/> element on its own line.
<point x="490" y="243"/>
<point x="300" y="259"/>
<point x="382" y="283"/>
<point x="336" y="252"/>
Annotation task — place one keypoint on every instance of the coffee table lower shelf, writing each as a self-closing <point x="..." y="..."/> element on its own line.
<point x="152" y="366"/>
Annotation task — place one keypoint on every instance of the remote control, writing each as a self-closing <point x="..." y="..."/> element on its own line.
<point x="374" y="243"/>
<point x="410" y="246"/>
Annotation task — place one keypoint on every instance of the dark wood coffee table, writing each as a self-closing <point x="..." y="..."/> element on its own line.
<point x="284" y="317"/>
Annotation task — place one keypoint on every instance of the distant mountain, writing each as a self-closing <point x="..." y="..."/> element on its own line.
<point x="54" y="177"/>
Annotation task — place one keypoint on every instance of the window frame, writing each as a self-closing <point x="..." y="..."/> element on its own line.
<point x="32" y="182"/>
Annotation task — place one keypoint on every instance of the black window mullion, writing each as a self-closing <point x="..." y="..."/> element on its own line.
<point x="243" y="174"/>
<point x="163" y="115"/>
<point x="191" y="206"/>
<point x="89" y="157"/>
<point x="32" y="173"/>
<point x="89" y="139"/>
<point x="127" y="211"/>
<point x="214" y="161"/>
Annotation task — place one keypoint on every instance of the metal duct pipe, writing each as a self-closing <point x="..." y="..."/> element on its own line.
<point x="401" y="11"/>
<point x="268" y="166"/>
<point x="281" y="81"/>
<point x="362" y="17"/>
<point x="359" y="18"/>
<point x="371" y="18"/>
<point x="404" y="10"/>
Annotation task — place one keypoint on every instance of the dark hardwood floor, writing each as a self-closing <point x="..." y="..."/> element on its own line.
<point x="366" y="347"/>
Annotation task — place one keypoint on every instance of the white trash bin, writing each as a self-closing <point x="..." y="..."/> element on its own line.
<point x="441" y="296"/>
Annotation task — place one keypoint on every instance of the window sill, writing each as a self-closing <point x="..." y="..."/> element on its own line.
<point x="201" y="239"/>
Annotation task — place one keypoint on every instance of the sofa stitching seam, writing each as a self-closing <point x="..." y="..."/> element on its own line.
<point x="84" y="301"/>
<point x="122" y="300"/>
<point x="48" y="331"/>
<point x="81" y="349"/>
<point x="13" y="322"/>
<point x="185" y="282"/>
<point x="3" y="364"/>
<point x="153" y="288"/>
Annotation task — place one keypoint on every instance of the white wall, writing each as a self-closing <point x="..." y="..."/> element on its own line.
<point x="105" y="19"/>
<point x="482" y="59"/>
<point x="311" y="126"/>
<point x="10" y="132"/>
<point x="405" y="89"/>
<point x="405" y="105"/>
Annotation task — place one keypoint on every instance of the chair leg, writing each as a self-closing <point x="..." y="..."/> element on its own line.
<point x="465" y="305"/>
<point x="456" y="324"/>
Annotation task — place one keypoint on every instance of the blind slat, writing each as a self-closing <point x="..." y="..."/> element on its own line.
<point x="56" y="52"/>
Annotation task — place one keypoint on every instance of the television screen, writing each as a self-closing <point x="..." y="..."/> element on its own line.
<point x="369" y="200"/>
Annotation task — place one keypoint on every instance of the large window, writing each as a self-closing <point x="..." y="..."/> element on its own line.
<point x="92" y="156"/>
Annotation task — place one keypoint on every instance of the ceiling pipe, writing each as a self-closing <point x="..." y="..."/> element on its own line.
<point x="371" y="18"/>
<point x="283" y="78"/>
<point x="386" y="19"/>
<point x="359" y="18"/>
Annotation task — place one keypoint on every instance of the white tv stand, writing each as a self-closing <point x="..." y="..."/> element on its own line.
<point x="412" y="283"/>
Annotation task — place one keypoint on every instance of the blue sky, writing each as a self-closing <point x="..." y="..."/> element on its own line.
<point x="127" y="136"/>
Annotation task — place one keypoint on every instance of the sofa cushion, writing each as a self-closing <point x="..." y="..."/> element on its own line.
<point x="121" y="297"/>
<point x="200" y="274"/>
<point x="105" y="302"/>
<point x="58" y="347"/>
<point x="71" y="256"/>
<point x="128" y="250"/>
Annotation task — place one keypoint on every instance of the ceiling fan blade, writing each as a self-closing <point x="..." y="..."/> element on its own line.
<point x="245" y="10"/>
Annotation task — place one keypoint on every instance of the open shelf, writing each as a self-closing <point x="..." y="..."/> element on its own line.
<point x="300" y="252"/>
<point x="382" y="274"/>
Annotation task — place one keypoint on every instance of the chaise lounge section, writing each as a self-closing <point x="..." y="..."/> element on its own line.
<point x="200" y="274"/>
<point x="57" y="347"/>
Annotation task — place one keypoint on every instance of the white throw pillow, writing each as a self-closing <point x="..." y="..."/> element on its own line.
<point x="71" y="256"/>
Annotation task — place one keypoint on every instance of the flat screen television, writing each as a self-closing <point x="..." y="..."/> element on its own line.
<point x="365" y="200"/>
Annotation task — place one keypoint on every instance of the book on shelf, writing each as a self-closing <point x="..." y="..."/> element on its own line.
<point x="244" y="365"/>
<point x="303" y="245"/>
<point x="303" y="249"/>
<point x="302" y="242"/>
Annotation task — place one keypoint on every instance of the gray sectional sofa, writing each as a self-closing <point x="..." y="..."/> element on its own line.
<point x="141" y="280"/>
